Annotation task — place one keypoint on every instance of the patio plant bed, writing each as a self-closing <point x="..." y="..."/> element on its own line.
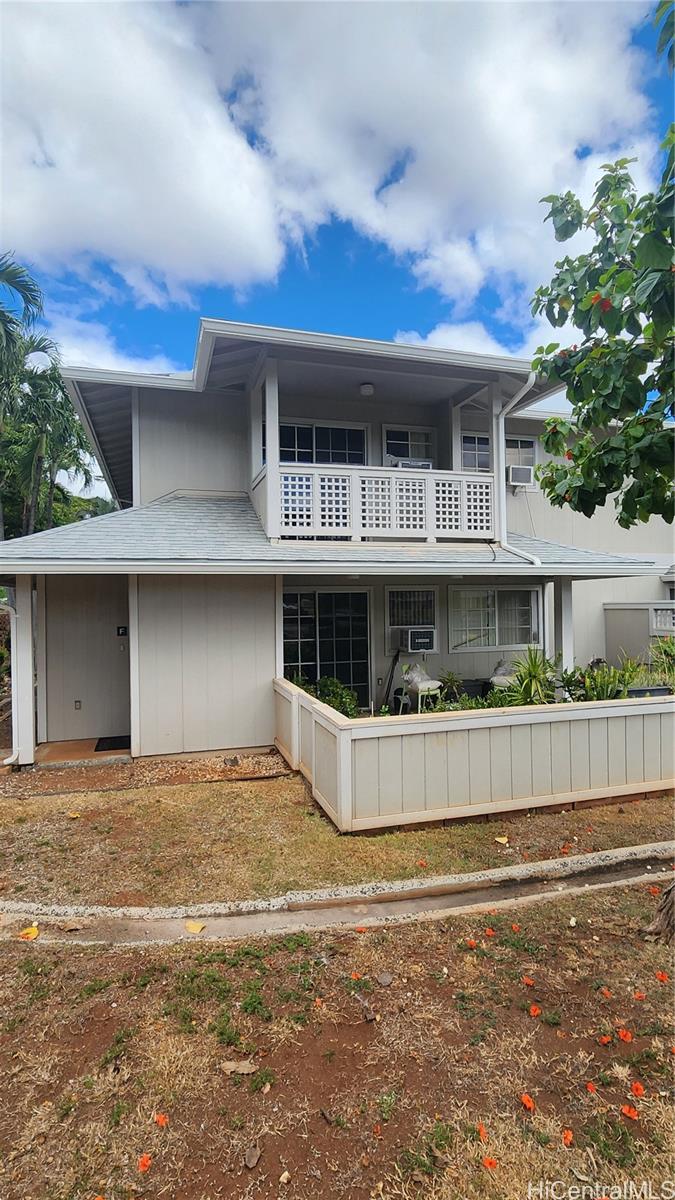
<point x="200" y="842"/>
<point x="469" y="1057"/>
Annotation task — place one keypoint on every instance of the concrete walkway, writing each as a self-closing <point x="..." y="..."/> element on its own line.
<point x="371" y="906"/>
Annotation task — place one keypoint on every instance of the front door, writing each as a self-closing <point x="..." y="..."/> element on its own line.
<point x="326" y="633"/>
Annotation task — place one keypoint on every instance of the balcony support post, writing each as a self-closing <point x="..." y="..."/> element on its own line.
<point x="272" y="483"/>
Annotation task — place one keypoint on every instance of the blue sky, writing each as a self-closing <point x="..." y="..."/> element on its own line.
<point x="311" y="168"/>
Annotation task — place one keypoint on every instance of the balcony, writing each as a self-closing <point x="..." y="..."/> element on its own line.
<point x="384" y="502"/>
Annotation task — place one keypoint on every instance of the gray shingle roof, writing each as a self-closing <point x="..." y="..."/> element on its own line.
<point x="208" y="533"/>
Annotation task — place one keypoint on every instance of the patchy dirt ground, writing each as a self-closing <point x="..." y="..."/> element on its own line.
<point x="142" y="772"/>
<point x="201" y="842"/>
<point x="467" y="1057"/>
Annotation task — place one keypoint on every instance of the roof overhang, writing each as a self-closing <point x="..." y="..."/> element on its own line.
<point x="228" y="358"/>
<point x="334" y="567"/>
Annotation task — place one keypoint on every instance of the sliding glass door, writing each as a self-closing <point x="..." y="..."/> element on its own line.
<point x="326" y="633"/>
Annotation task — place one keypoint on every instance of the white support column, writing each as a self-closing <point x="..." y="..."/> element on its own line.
<point x="563" y="627"/>
<point x="255" y="431"/>
<point x="271" y="410"/>
<point x="135" y="447"/>
<point x="134" y="671"/>
<point x="498" y="463"/>
<point x="23" y="678"/>
<point x="547" y="619"/>
<point x="456" y="436"/>
<point x="279" y="626"/>
<point x="41" y="657"/>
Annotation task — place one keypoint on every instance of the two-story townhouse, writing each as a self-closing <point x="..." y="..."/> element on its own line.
<point x="302" y="504"/>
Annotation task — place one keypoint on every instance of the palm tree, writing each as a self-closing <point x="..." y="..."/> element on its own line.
<point x="19" y="288"/>
<point x="20" y="377"/>
<point x="67" y="450"/>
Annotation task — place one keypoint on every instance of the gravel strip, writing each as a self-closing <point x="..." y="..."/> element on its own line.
<point x="557" y="868"/>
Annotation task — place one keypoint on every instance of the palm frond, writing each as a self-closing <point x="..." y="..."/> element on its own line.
<point x="17" y="279"/>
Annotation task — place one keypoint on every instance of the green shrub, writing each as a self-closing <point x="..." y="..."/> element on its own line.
<point x="534" y="680"/>
<point x="598" y="681"/>
<point x="330" y="691"/>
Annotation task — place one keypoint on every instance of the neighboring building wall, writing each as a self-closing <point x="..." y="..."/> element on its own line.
<point x="529" y="511"/>
<point x="191" y="442"/>
<point x="206" y="662"/>
<point x="86" y="660"/>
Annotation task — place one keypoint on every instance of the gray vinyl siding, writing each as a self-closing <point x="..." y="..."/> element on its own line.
<point x="85" y="659"/>
<point x="206" y="662"/>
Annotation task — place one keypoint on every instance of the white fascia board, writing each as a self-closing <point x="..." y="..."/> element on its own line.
<point x="303" y="339"/>
<point x="423" y="570"/>
<point x="128" y="378"/>
<point x="82" y="412"/>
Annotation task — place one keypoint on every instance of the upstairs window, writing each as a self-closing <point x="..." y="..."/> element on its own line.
<point x="476" y="454"/>
<point x="409" y="443"/>
<point x="322" y="444"/>
<point x="520" y="452"/>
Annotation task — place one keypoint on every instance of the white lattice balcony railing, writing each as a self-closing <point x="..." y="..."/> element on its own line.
<point x="383" y="502"/>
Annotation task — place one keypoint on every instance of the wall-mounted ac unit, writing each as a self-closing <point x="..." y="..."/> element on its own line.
<point x="520" y="476"/>
<point x="417" y="639"/>
<point x="414" y="464"/>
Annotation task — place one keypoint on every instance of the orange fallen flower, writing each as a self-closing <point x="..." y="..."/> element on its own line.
<point x="360" y="929"/>
<point x="567" y="1137"/>
<point x="482" y="1131"/>
<point x="144" y="1163"/>
<point x="377" y="1130"/>
<point x="422" y="862"/>
<point x="318" y="1002"/>
<point x="355" y="975"/>
<point x="627" y="1110"/>
<point x="590" y="1087"/>
<point x="527" y="1102"/>
<point x="515" y="928"/>
<point x="471" y="943"/>
<point x="639" y="995"/>
<point x="489" y="932"/>
<point x="625" y="1035"/>
<point x="604" y="991"/>
<point x="161" y="1120"/>
<point x="29" y="934"/>
<point x="535" y="1010"/>
<point x="662" y="976"/>
<point x="605" y="1039"/>
<point x="527" y="980"/>
<point x="654" y="890"/>
<point x="637" y="1089"/>
<point x="490" y="1163"/>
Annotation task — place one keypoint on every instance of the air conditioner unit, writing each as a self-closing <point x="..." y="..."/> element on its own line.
<point x="418" y="639"/>
<point x="520" y="476"/>
<point x="414" y="464"/>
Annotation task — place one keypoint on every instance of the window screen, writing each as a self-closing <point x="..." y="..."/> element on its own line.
<point x="408" y="443"/>
<point x="519" y="452"/>
<point x="322" y="444"/>
<point x="475" y="452"/>
<point x="412" y="607"/>
<point x="493" y="617"/>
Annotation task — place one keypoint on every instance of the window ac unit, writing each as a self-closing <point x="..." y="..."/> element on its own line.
<point x="520" y="476"/>
<point x="418" y="639"/>
<point x="414" y="464"/>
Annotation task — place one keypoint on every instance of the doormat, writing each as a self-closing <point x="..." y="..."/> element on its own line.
<point x="113" y="743"/>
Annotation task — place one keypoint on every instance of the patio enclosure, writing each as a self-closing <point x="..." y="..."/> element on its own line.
<point x="385" y="771"/>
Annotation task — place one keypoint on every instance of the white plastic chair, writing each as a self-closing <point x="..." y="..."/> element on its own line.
<point x="417" y="682"/>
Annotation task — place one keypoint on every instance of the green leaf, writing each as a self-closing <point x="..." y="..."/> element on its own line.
<point x="653" y="252"/>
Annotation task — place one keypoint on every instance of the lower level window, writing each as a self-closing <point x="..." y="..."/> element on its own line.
<point x="326" y="633"/>
<point x="493" y="617"/>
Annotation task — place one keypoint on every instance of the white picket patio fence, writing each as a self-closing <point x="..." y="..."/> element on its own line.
<point x="375" y="772"/>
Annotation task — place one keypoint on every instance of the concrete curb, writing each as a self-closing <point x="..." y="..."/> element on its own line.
<point x="437" y="885"/>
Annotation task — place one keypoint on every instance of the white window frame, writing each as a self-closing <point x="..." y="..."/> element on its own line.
<point x="428" y="429"/>
<point x="476" y="433"/>
<point x="311" y="423"/>
<point x="368" y="590"/>
<point x="390" y="647"/>
<point x="529" y="487"/>
<point x="500" y="587"/>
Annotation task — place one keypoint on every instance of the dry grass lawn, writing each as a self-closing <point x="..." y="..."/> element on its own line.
<point x="388" y="1064"/>
<point x="162" y="844"/>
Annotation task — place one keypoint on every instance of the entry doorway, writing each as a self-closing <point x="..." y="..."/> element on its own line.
<point x="327" y="633"/>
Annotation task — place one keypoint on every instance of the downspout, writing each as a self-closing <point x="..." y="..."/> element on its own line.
<point x="9" y="762"/>
<point x="501" y="475"/>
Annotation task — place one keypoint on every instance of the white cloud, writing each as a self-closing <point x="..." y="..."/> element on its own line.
<point x="194" y="144"/>
<point x="91" y="344"/>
